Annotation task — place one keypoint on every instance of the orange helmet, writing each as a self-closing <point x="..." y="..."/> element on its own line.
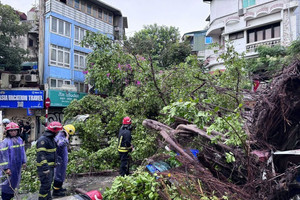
<point x="55" y="127"/>
<point x="12" y="126"/>
<point x="127" y="120"/>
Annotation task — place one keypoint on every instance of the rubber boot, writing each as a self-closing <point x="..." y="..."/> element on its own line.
<point x="58" y="193"/>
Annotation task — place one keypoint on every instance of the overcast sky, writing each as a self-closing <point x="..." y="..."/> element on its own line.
<point x="186" y="15"/>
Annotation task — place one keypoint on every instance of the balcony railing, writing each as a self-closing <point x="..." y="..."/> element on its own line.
<point x="72" y="13"/>
<point x="251" y="47"/>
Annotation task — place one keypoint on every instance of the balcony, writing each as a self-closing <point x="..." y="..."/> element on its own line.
<point x="74" y="14"/>
<point x="251" y="47"/>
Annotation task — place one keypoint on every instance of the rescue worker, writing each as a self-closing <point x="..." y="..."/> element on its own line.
<point x="124" y="145"/>
<point x="62" y="141"/>
<point x="13" y="151"/>
<point x="46" y="158"/>
<point x="5" y="122"/>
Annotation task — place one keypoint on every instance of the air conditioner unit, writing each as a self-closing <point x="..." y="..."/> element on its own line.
<point x="15" y="77"/>
<point x="241" y="12"/>
<point x="31" y="78"/>
<point x="4" y="80"/>
<point x="117" y="29"/>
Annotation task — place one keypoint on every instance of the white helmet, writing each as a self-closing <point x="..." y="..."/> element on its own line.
<point x="5" y="121"/>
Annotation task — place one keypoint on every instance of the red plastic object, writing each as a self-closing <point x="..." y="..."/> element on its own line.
<point x="95" y="195"/>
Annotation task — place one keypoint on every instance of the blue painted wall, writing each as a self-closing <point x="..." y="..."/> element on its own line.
<point x="52" y="38"/>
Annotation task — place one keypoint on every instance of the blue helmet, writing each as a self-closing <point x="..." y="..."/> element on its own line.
<point x="5" y="121"/>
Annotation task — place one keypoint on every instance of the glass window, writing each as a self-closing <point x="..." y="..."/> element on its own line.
<point x="76" y="33"/>
<point x="60" y="27"/>
<point x="95" y="12"/>
<point x="52" y="82"/>
<point x="208" y="40"/>
<point x="67" y="82"/>
<point x="83" y="6"/>
<point x="68" y="29"/>
<point x="260" y="35"/>
<point x="81" y="34"/>
<point x="110" y="18"/>
<point x="251" y="37"/>
<point x="247" y="3"/>
<point x="82" y="61"/>
<point x="54" y="25"/>
<point x="76" y="4"/>
<point x="81" y="87"/>
<point x="59" y="83"/>
<point x="67" y="57"/>
<point x="100" y="13"/>
<point x="89" y="9"/>
<point x="70" y="2"/>
<point x="268" y="33"/>
<point x="53" y="54"/>
<point x="60" y="56"/>
<point x="77" y="86"/>
<point x="105" y="16"/>
<point x="276" y="31"/>
<point x="76" y="63"/>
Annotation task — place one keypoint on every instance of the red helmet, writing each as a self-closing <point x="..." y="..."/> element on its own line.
<point x="12" y="126"/>
<point x="55" y="127"/>
<point x="126" y="120"/>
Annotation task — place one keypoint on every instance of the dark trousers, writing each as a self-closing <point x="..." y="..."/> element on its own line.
<point x="124" y="168"/>
<point x="6" y="196"/>
<point x="46" y="182"/>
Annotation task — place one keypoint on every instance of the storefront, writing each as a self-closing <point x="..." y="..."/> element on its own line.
<point x="59" y="100"/>
<point x="25" y="105"/>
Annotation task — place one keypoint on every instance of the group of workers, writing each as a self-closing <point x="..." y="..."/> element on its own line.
<point x="52" y="157"/>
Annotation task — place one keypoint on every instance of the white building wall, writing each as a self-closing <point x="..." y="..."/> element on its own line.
<point x="220" y="8"/>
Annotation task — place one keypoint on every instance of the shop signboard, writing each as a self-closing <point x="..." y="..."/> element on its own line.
<point x="61" y="98"/>
<point x="21" y="99"/>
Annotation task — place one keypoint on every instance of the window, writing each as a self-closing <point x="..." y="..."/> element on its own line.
<point x="83" y="6"/>
<point x="100" y="12"/>
<point x="30" y="42"/>
<point x="55" y="83"/>
<point x="81" y="87"/>
<point x="89" y="9"/>
<point x="263" y="33"/>
<point x="76" y="4"/>
<point x="60" y="27"/>
<point x="79" y="60"/>
<point x="247" y="3"/>
<point x="110" y="18"/>
<point x="70" y="2"/>
<point x="59" y="56"/>
<point x="79" y="35"/>
<point x="95" y="12"/>
<point x="105" y="16"/>
<point x="237" y="35"/>
<point x="208" y="40"/>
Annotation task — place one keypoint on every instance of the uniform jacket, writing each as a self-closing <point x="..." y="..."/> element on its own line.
<point x="62" y="156"/>
<point x="124" y="143"/>
<point x="46" y="151"/>
<point x="13" y="155"/>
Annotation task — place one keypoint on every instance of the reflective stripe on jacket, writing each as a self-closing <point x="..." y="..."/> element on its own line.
<point x="124" y="143"/>
<point x="46" y="151"/>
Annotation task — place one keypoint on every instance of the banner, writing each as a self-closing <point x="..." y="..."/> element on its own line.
<point x="21" y="99"/>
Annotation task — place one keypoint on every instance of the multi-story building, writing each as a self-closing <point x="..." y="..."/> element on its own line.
<point x="54" y="41"/>
<point x="251" y="23"/>
<point x="62" y="58"/>
<point x="20" y="94"/>
<point x="198" y="41"/>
